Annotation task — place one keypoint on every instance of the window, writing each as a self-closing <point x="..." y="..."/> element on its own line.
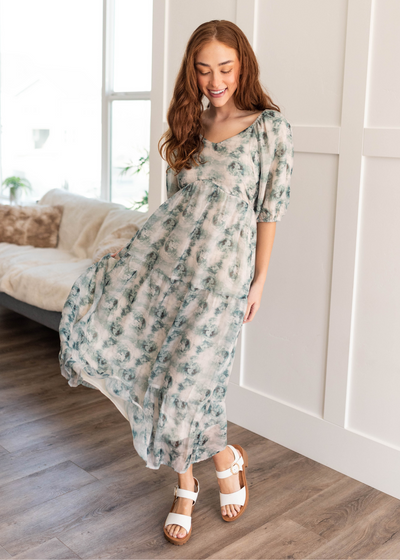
<point x="126" y="102"/>
<point x="75" y="97"/>
<point x="51" y="71"/>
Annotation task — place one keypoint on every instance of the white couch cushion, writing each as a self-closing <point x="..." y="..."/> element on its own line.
<point x="117" y="218"/>
<point x="41" y="277"/>
<point x="81" y="221"/>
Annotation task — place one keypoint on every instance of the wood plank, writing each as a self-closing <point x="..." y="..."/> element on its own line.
<point x="4" y="554"/>
<point x="280" y="538"/>
<point x="95" y="452"/>
<point x="22" y="494"/>
<point x="73" y="510"/>
<point x="44" y="403"/>
<point x="338" y="507"/>
<point x="53" y="549"/>
<point x="374" y="536"/>
<point x="56" y="427"/>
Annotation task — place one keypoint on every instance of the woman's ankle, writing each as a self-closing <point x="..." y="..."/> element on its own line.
<point x="186" y="481"/>
<point x="223" y="459"/>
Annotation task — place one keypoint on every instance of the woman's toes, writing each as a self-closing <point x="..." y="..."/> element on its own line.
<point x="182" y="533"/>
<point x="177" y="531"/>
<point x="231" y="510"/>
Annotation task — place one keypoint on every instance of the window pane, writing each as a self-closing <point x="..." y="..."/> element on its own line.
<point x="51" y="94"/>
<point x="130" y="141"/>
<point x="132" y="45"/>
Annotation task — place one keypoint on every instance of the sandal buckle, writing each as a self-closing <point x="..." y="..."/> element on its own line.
<point x="235" y="468"/>
<point x="175" y="490"/>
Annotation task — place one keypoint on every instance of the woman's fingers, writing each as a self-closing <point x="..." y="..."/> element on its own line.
<point x="250" y="312"/>
<point x="247" y="314"/>
<point x="116" y="253"/>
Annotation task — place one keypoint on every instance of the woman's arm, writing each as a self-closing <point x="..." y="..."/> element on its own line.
<point x="265" y="241"/>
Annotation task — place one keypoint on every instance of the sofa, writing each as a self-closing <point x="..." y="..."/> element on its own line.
<point x="36" y="281"/>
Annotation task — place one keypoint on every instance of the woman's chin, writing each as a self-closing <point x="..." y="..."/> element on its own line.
<point x="218" y="101"/>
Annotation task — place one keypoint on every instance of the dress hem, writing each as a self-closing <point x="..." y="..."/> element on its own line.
<point x="192" y="463"/>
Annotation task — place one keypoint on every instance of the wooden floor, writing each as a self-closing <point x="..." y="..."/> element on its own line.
<point x="72" y="485"/>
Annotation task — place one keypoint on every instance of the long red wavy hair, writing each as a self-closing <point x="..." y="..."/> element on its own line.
<point x="182" y="143"/>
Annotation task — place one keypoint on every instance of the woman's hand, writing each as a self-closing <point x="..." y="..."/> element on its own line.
<point x="253" y="301"/>
<point x="265" y="240"/>
<point x="114" y="254"/>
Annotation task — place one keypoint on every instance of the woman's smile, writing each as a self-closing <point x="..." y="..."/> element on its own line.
<point x="217" y="92"/>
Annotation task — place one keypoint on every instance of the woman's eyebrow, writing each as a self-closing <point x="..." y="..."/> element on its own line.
<point x="220" y="64"/>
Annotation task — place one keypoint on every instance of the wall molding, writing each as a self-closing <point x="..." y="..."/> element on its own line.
<point x="349" y="185"/>
<point x="377" y="142"/>
<point x="381" y="142"/>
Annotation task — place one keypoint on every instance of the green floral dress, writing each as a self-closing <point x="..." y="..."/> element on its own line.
<point x="156" y="330"/>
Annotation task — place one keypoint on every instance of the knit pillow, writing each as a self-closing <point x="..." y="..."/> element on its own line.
<point x="115" y="241"/>
<point x="36" y="225"/>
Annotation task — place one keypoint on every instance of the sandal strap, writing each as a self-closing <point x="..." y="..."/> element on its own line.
<point x="182" y="493"/>
<point x="179" y="519"/>
<point x="238" y="497"/>
<point x="236" y="466"/>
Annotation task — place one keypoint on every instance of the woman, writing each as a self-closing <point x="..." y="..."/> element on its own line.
<point x="156" y="330"/>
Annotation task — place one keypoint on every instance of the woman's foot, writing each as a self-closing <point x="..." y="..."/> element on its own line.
<point x="182" y="505"/>
<point x="223" y="460"/>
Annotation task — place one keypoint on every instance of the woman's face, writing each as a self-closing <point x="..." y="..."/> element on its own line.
<point x="217" y="68"/>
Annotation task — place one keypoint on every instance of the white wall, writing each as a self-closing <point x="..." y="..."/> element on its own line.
<point x="318" y="369"/>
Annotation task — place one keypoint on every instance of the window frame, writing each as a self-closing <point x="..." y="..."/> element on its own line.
<point x="156" y="97"/>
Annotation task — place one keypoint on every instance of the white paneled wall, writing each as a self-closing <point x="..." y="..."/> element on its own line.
<point x="373" y="393"/>
<point x="318" y="369"/>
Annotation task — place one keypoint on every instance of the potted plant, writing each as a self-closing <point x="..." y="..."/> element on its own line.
<point x="137" y="169"/>
<point x="16" y="186"/>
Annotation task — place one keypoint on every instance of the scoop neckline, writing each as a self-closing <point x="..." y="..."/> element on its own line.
<point x="238" y="134"/>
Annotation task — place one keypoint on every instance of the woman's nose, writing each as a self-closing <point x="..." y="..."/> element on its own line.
<point x="216" y="88"/>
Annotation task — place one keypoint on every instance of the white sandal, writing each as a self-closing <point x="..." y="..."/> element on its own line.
<point x="240" y="497"/>
<point x="184" y="521"/>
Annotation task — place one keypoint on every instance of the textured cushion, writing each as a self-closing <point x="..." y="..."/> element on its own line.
<point x="36" y="225"/>
<point x="115" y="241"/>
<point x="81" y="221"/>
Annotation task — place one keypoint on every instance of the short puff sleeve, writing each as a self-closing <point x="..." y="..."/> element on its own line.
<point x="276" y="167"/>
<point x="172" y="182"/>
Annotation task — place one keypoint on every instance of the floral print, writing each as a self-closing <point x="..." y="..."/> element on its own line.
<point x="156" y="330"/>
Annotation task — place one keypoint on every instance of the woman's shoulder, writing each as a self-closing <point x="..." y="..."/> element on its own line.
<point x="272" y="120"/>
<point x="270" y="128"/>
